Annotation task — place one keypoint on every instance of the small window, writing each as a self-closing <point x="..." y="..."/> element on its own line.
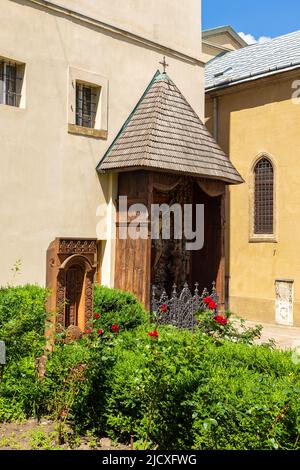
<point x="87" y="98"/>
<point x="11" y="80"/>
<point x="263" y="197"/>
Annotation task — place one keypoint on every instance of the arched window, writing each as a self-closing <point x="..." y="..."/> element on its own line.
<point x="263" y="197"/>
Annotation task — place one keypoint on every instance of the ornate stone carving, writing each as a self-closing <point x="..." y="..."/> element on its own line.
<point x="60" y="296"/>
<point x="67" y="246"/>
<point x="284" y="302"/>
<point x="73" y="333"/>
<point x="70" y="276"/>
<point x="89" y="297"/>
<point x="170" y="260"/>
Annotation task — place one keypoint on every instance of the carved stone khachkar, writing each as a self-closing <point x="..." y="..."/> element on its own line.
<point x="71" y="266"/>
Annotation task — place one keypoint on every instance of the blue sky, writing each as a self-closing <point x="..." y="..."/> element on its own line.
<point x="269" y="18"/>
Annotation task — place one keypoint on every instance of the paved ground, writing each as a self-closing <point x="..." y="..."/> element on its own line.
<point x="29" y="435"/>
<point x="285" y="336"/>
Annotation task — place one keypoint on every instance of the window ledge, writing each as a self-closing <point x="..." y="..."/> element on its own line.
<point x="9" y="106"/>
<point x="263" y="238"/>
<point x="87" y="131"/>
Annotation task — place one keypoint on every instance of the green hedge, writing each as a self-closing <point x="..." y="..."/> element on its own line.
<point x="22" y="327"/>
<point x="181" y="391"/>
<point x="22" y="319"/>
<point x="187" y="391"/>
<point x="117" y="307"/>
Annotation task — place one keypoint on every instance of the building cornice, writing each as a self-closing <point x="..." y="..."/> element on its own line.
<point x="72" y="14"/>
<point x="260" y="80"/>
<point x="216" y="46"/>
<point x="225" y="30"/>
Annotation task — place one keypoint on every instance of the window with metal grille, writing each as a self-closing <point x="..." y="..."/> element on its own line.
<point x="263" y="197"/>
<point x="11" y="78"/>
<point x="86" y="104"/>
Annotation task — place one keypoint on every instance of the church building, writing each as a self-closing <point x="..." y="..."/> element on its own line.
<point x="86" y="117"/>
<point x="253" y="111"/>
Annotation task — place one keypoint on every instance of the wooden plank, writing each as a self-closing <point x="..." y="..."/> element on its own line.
<point x="133" y="265"/>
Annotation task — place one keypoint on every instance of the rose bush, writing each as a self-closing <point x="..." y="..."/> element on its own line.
<point x="170" y="388"/>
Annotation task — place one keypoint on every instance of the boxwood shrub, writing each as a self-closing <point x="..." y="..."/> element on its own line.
<point x="118" y="307"/>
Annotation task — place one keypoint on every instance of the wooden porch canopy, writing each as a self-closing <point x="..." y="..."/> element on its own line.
<point x="163" y="145"/>
<point x="164" y="133"/>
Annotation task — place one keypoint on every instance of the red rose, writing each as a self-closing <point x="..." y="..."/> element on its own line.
<point x="207" y="300"/>
<point x="100" y="331"/>
<point x="153" y="334"/>
<point x="115" y="327"/>
<point x="97" y="315"/>
<point x="219" y="319"/>
<point x="164" y="308"/>
<point x="88" y="331"/>
<point x="212" y="305"/>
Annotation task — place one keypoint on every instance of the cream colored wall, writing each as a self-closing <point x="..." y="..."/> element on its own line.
<point x="258" y="120"/>
<point x="216" y="44"/>
<point x="224" y="40"/>
<point x="49" y="186"/>
<point x="173" y="23"/>
<point x="209" y="52"/>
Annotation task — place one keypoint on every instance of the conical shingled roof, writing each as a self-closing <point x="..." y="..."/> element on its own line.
<point x="164" y="133"/>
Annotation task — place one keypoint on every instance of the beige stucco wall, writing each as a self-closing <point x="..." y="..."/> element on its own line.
<point x="173" y="23"/>
<point x="252" y="121"/>
<point x="49" y="186"/>
<point x="210" y="51"/>
<point x="224" y="40"/>
<point x="216" y="44"/>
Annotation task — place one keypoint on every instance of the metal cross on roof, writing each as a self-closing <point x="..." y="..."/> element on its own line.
<point x="164" y="64"/>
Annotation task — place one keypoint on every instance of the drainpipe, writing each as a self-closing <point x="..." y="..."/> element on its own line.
<point x="216" y="117"/>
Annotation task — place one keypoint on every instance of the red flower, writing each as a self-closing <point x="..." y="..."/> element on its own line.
<point x="164" y="308"/>
<point x="218" y="318"/>
<point x="88" y="331"/>
<point x="153" y="334"/>
<point x="115" y="327"/>
<point x="97" y="315"/>
<point x="100" y="331"/>
<point x="212" y="305"/>
<point x="63" y="413"/>
<point x="207" y="300"/>
<point x="221" y="320"/>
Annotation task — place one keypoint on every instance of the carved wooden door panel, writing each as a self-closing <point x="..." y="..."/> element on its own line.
<point x="74" y="286"/>
<point x="133" y="263"/>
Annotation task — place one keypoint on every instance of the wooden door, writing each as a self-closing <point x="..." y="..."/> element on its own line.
<point x="133" y="256"/>
<point x="74" y="288"/>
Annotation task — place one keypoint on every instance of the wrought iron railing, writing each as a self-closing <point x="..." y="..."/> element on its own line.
<point x="179" y="309"/>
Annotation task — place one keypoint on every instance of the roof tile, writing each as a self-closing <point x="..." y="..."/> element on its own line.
<point x="253" y="61"/>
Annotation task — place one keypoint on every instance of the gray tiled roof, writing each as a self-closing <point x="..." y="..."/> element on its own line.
<point x="164" y="133"/>
<point x="254" y="61"/>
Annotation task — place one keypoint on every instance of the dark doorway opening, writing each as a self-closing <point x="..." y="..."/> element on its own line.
<point x="206" y="262"/>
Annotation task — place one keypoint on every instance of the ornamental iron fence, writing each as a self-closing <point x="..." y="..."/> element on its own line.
<point x="179" y="309"/>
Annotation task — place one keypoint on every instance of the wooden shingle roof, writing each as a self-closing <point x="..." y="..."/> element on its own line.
<point x="164" y="133"/>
